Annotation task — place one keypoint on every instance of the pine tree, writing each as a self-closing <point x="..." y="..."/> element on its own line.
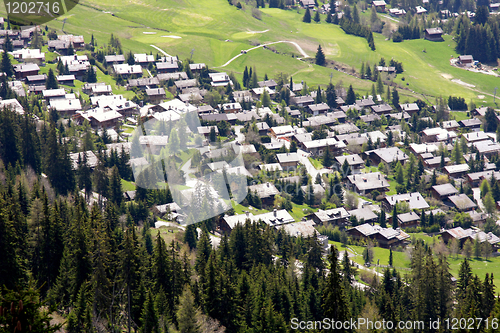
<point x="334" y="301"/>
<point x="327" y="157"/>
<point x="390" y="257"/>
<point x="149" y="316"/>
<point x="7" y="64"/>
<point x="186" y="313"/>
<point x="331" y="96"/>
<point x="395" y="222"/>
<point x="115" y="187"/>
<point x="317" y="17"/>
<point x="245" y="77"/>
<point x="307" y="16"/>
<point x="383" y="219"/>
<point x="395" y="98"/>
<point x="191" y="236"/>
<point x="51" y="82"/>
<point x="320" y="56"/>
<point x="380" y="86"/>
<point x="351" y="96"/>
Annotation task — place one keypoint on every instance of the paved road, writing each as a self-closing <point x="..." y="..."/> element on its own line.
<point x="240" y="137"/>
<point x="302" y="52"/>
<point x="477" y="196"/>
<point x="310" y="168"/>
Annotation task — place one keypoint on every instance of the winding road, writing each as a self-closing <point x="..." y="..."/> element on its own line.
<point x="302" y="52"/>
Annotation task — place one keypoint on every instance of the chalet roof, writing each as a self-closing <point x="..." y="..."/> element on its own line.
<point x="368" y="181"/>
<point x="302" y="228"/>
<point x="462" y="201"/>
<point x="91" y="159"/>
<point x="415" y="200"/>
<point x="389" y="154"/>
<point x="445" y="189"/>
<point x="434" y="31"/>
<point x="365" y="214"/>
<point x="354" y="159"/>
<point x="276" y="217"/>
<point x="330" y="215"/>
<point x="388" y="233"/>
<point x="459" y="233"/>
<point x="288" y="157"/>
<point x="408" y="217"/>
<point x="265" y="190"/>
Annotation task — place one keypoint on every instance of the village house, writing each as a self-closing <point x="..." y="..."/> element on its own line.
<point x="414" y="200"/>
<point x="92" y="159"/>
<point x="99" y="117"/>
<point x="288" y="161"/>
<point x="114" y="59"/>
<point x="466" y="60"/>
<point x="365" y="183"/>
<point x="336" y="216"/>
<point x="282" y="131"/>
<point x="382" y="109"/>
<point x="317" y="109"/>
<point x="302" y="100"/>
<point x="67" y="80"/>
<point x="266" y="192"/>
<point x="364" y="215"/>
<point x="355" y="162"/>
<point x="155" y="96"/>
<point x="384" y="237"/>
<point x="434" y="34"/>
<point x="410" y="108"/>
<point x="26" y="69"/>
<point x="143" y="59"/>
<point x="379" y="5"/>
<point x="144" y="83"/>
<point x="457" y="170"/>
<point x="473" y="124"/>
<point x="220" y="79"/>
<point x="462" y="235"/>
<point x="387" y="155"/>
<point x="438" y="134"/>
<point x="317" y="147"/>
<point x="126" y="70"/>
<point x="462" y="202"/>
<point x="443" y="191"/>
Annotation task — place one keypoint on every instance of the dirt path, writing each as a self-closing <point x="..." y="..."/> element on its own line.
<point x="302" y="52"/>
<point x="156" y="47"/>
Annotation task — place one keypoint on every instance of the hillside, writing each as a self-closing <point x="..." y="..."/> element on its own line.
<point x="216" y="32"/>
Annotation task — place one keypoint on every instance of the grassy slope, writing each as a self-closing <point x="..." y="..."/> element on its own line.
<point x="206" y="25"/>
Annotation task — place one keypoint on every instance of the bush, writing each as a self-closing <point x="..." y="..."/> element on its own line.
<point x="397" y="37"/>
<point x="256" y="13"/>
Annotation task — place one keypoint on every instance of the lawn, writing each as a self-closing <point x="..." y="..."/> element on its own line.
<point x="128" y="186"/>
<point x="316" y="163"/>
<point x="215" y="32"/>
<point x="459" y="115"/>
<point x="298" y="211"/>
<point x="240" y="209"/>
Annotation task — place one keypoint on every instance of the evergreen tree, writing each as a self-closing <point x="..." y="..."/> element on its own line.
<point x="246" y="78"/>
<point x="327" y="157"/>
<point x="51" y="82"/>
<point x="115" y="187"/>
<point x="317" y="17"/>
<point x="390" y="257"/>
<point x="320" y="56"/>
<point x="186" y="313"/>
<point x="395" y="222"/>
<point x="351" y="96"/>
<point x="254" y="81"/>
<point x="331" y="96"/>
<point x="334" y="301"/>
<point x="191" y="236"/>
<point x="149" y="317"/>
<point x="382" y="219"/>
<point x="395" y="98"/>
<point x="307" y="16"/>
<point x="7" y="64"/>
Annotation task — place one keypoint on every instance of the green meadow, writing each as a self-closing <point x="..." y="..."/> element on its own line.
<point x="215" y="32"/>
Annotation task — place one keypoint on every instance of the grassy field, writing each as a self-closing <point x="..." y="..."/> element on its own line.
<point x="127" y="186"/>
<point x="215" y="32"/>
<point x="316" y="163"/>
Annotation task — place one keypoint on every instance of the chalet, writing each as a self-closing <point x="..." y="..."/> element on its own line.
<point x="434" y="34"/>
<point x="31" y="55"/>
<point x="400" y="116"/>
<point x="456" y="171"/>
<point x="353" y="141"/>
<point x="384" y="237"/>
<point x="191" y="97"/>
<point x="126" y="70"/>
<point x="77" y="41"/>
<point x="450" y="125"/>
<point x="368" y="182"/>
<point x="183" y="84"/>
<point x="99" y="117"/>
<point x="355" y="162"/>
<point x="67" y="80"/>
<point x="153" y="143"/>
<point x="231" y="107"/>
<point x="387" y="155"/>
<point x="115" y="59"/>
<point x="379" y="5"/>
<point x="197" y="68"/>
<point x="170" y="208"/>
<point x="415" y="200"/>
<point x="462" y="235"/>
<point x="263" y="128"/>
<point x="228" y="223"/>
<point x="174" y="76"/>
<point x="303" y="229"/>
<point x="266" y="192"/>
<point x="317" y="109"/>
<point x="257" y="92"/>
<point x="242" y="96"/>
<point x="143" y="59"/>
<point x="24" y="70"/>
<point x="204" y="109"/>
<point x="382" y="109"/>
<point x="435" y="162"/>
<point x="364" y="215"/>
<point x="396" y="12"/>
<point x="370" y="118"/>
<point x="144" y="83"/>
<point x="317" y="147"/>
<point x="36" y="80"/>
<point x="155" y="96"/>
<point x="217" y="117"/>
<point x="462" y="202"/>
<point x="328" y="119"/>
<point x="494" y="7"/>
<point x="473" y="124"/>
<point x="167" y="67"/>
<point x="302" y="100"/>
<point x="288" y="161"/>
<point x="13" y="105"/>
<point x="335" y="216"/>
<point x="271" y="84"/>
<point x="476" y="178"/>
<point x="441" y="192"/>
<point x="476" y="137"/>
<point x="487" y="147"/>
<point x="344" y="128"/>
<point x="314" y="198"/>
<point x="205" y="130"/>
<point x="365" y="102"/>
<point x="54" y="93"/>
<point x="407" y="220"/>
<point x="437" y="134"/>
<point x="477" y="218"/>
<point x="410" y="108"/>
<point x="307" y="3"/>
<point x="220" y="79"/>
<point x="247" y="116"/>
<point x="282" y="131"/>
<point x="276" y="218"/>
<point x="65" y="106"/>
<point x="115" y="102"/>
<point x="466" y="60"/>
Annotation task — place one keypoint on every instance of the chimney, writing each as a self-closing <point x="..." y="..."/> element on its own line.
<point x="247" y="214"/>
<point x="417" y="197"/>
<point x="268" y="185"/>
<point x="379" y="176"/>
<point x="275" y="212"/>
